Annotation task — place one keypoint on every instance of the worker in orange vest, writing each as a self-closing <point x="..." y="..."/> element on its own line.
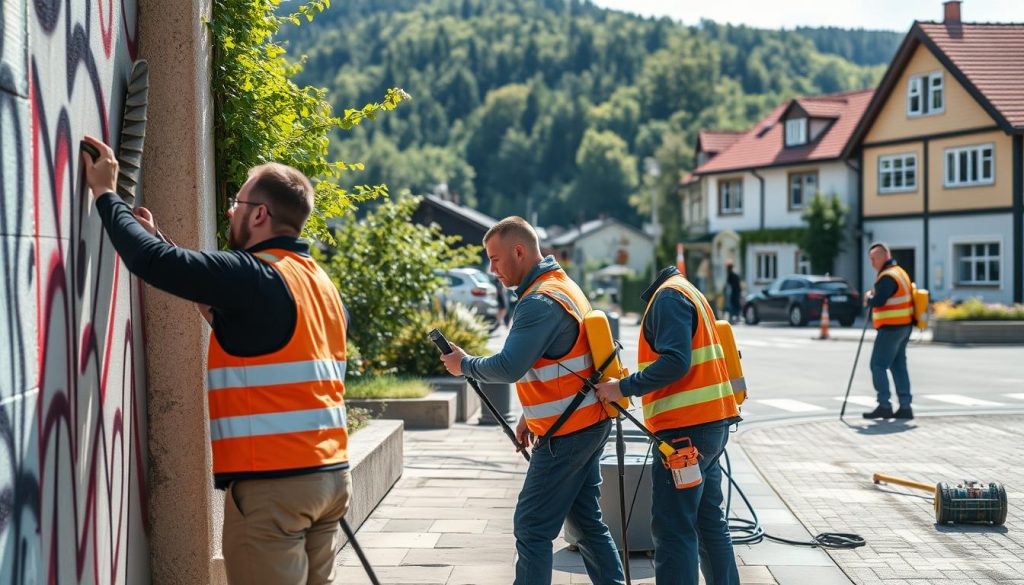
<point x="276" y="368"/>
<point x="686" y="392"/>
<point x="547" y="354"/>
<point x="892" y="311"/>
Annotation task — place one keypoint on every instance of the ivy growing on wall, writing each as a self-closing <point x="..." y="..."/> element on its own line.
<point x="262" y="115"/>
<point x="795" y="235"/>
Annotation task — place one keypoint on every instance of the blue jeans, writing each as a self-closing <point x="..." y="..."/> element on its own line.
<point x="563" y="484"/>
<point x="690" y="523"/>
<point x="890" y="353"/>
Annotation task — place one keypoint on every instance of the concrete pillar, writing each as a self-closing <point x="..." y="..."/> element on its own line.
<point x="178" y="186"/>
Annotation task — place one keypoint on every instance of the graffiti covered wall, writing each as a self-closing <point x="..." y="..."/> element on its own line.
<point x="72" y="390"/>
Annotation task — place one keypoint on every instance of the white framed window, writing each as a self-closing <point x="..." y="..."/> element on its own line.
<point x="970" y="165"/>
<point x="978" y="263"/>
<point x="796" y="131"/>
<point x="926" y="94"/>
<point x="802" y="188"/>
<point x="730" y="197"/>
<point x="802" y="262"/>
<point x="897" y="173"/>
<point x="767" y="266"/>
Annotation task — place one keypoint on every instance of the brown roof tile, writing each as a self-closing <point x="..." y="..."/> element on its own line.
<point x="991" y="57"/>
<point x="762" y="145"/>
<point x="715" y="141"/>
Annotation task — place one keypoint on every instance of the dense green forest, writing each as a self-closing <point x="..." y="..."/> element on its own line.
<point x="551" y="107"/>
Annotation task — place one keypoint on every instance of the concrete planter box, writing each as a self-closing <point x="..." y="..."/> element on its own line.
<point x="467" y="402"/>
<point x="500" y="396"/>
<point x="434" y="411"/>
<point x="375" y="455"/>
<point x="946" y="331"/>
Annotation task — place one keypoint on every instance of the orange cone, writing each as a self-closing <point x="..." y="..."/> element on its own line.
<point x="824" y="319"/>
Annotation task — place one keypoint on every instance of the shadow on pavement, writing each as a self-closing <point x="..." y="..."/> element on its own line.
<point x="881" y="428"/>
<point x="970" y="528"/>
<point x="571" y="561"/>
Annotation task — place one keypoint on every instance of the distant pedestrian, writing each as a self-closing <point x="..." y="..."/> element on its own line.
<point x="892" y="310"/>
<point x="732" y="293"/>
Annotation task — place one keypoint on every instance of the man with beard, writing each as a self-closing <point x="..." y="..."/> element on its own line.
<point x="276" y="368"/>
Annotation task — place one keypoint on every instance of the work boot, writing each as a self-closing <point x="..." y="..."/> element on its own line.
<point x="904" y="413"/>
<point x="879" y="412"/>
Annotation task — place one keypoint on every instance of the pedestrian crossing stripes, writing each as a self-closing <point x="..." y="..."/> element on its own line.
<point x="924" y="402"/>
<point x="869" y="401"/>
<point x="960" y="400"/>
<point x="789" y="404"/>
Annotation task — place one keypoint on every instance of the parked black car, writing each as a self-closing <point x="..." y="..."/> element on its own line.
<point x="798" y="298"/>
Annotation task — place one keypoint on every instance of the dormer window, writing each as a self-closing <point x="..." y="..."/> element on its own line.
<point x="925" y="95"/>
<point x="796" y="132"/>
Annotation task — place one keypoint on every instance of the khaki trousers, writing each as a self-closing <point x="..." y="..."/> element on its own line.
<point x="284" y="531"/>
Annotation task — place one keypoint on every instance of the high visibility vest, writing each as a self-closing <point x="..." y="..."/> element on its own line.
<point x="285" y="409"/>
<point x="899" y="308"/>
<point x="550" y="385"/>
<point x="704" y="393"/>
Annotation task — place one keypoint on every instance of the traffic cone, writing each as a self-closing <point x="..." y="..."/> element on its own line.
<point x="824" y="320"/>
<point x="680" y="259"/>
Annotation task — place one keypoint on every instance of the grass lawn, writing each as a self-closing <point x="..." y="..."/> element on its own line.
<point x="387" y="387"/>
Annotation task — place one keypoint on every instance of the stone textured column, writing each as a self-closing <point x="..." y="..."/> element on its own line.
<point x="178" y="186"/>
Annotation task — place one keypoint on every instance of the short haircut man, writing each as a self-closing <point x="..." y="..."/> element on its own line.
<point x="516" y="228"/>
<point x="286" y="191"/>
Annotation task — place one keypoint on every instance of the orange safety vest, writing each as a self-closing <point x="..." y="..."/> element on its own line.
<point x="704" y="394"/>
<point x="284" y="410"/>
<point x="550" y="385"/>
<point x="899" y="308"/>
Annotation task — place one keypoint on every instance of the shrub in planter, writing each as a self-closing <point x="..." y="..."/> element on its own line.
<point x="413" y="353"/>
<point x="975" y="310"/>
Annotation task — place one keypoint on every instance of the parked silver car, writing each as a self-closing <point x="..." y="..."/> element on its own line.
<point x="473" y="289"/>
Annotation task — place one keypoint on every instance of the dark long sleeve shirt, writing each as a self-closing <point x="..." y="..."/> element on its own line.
<point x="885" y="287"/>
<point x="670" y="313"/>
<point x="540" y="327"/>
<point x="253" y="311"/>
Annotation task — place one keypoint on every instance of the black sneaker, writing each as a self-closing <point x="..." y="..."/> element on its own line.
<point x="879" y="412"/>
<point x="904" y="412"/>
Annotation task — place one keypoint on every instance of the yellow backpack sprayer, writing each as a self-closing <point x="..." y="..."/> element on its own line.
<point x="970" y="502"/>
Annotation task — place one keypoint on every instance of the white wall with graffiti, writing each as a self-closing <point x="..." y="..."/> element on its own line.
<point x="72" y="387"/>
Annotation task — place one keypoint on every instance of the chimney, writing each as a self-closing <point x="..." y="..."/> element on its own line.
<point x="952" y="12"/>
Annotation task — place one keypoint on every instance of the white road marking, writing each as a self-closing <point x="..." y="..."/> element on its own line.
<point x="790" y="405"/>
<point x="861" y="400"/>
<point x="961" y="400"/>
<point x="1015" y="396"/>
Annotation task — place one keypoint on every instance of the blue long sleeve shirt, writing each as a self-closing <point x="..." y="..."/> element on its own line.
<point x="540" y="327"/>
<point x="670" y="314"/>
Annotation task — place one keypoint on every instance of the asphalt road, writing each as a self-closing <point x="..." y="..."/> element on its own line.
<point x="791" y="374"/>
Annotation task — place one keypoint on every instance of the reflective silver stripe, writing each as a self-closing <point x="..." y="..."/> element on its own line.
<point x="273" y="374"/>
<point x="548" y="373"/>
<point x="567" y="300"/>
<point x="319" y="419"/>
<point x="738" y="384"/>
<point x="897" y="300"/>
<point x="556" y="407"/>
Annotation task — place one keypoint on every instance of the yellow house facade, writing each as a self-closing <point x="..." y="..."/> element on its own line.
<point x="940" y="158"/>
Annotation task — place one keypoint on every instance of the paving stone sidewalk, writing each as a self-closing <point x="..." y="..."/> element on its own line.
<point x="823" y="471"/>
<point x="449" y="521"/>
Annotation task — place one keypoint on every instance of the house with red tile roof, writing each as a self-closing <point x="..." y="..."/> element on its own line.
<point x="744" y="201"/>
<point x="941" y="163"/>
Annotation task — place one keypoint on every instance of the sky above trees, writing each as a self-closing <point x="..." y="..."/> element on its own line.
<point x="870" y="14"/>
